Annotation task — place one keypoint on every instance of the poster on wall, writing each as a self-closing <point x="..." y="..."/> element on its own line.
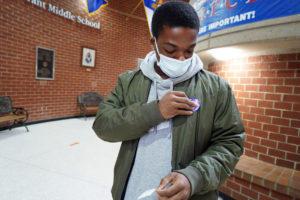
<point x="216" y="15"/>
<point x="88" y="57"/>
<point x="45" y="59"/>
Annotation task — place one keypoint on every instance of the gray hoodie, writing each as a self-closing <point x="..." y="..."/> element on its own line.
<point x="154" y="153"/>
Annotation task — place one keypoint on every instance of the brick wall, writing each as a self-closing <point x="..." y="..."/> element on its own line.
<point x="267" y="91"/>
<point x="24" y="26"/>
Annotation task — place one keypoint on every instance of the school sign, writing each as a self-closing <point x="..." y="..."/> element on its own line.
<point x="216" y="15"/>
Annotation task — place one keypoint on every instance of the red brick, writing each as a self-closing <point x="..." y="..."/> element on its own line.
<point x="261" y="134"/>
<point x="264" y="197"/>
<point x="287" y="57"/>
<point x="289" y="131"/>
<point x="280" y="196"/>
<point x="287" y="147"/>
<point x="260" y="189"/>
<point x="293" y="65"/>
<point x="272" y="112"/>
<point x="265" y="104"/>
<point x="269" y="58"/>
<point x="253" y="73"/>
<point x="292" y="81"/>
<point x="296" y="107"/>
<point x="245" y="80"/>
<point x="250" y="153"/>
<point x="252" y="139"/>
<point x="239" y="87"/>
<point x="297" y="90"/>
<point x="271" y="128"/>
<point x="263" y="118"/>
<point x="239" y="196"/>
<point x="225" y="190"/>
<point x="292" y="115"/>
<point x="268" y="74"/>
<point x="267" y="159"/>
<point x="244" y="109"/>
<point x="243" y="94"/>
<point x="248" y="116"/>
<point x="285" y="106"/>
<point x="275" y="81"/>
<point x="262" y="66"/>
<point x="242" y="182"/>
<point x="241" y="73"/>
<point x="278" y="65"/>
<point x="295" y="123"/>
<point x="254" y="125"/>
<point x="293" y="157"/>
<point x="247" y="145"/>
<point x="256" y="59"/>
<point x="292" y="98"/>
<point x="277" y="153"/>
<point x="249" y="131"/>
<point x="256" y="95"/>
<point x="239" y="101"/>
<point x="249" y="193"/>
<point x="250" y="102"/>
<point x="233" y="185"/>
<point x="286" y="73"/>
<point x="252" y="88"/>
<point x="259" y="111"/>
<point x="266" y="88"/>
<point x="277" y="137"/>
<point x="280" y="121"/>
<point x="259" y="148"/>
<point x="261" y="81"/>
<point x="294" y="140"/>
<point x="268" y="143"/>
<point x="233" y="80"/>
<point x="284" y="89"/>
<point x="275" y="97"/>
<point x="298" y="167"/>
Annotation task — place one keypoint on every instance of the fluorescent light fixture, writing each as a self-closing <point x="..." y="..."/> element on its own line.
<point x="226" y="53"/>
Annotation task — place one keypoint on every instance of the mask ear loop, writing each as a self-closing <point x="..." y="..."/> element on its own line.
<point x="157" y="51"/>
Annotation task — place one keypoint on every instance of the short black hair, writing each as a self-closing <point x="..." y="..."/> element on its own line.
<point x="174" y="14"/>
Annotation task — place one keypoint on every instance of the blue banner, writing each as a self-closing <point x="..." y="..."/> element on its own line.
<point x="95" y="5"/>
<point x="150" y="6"/>
<point x="216" y="15"/>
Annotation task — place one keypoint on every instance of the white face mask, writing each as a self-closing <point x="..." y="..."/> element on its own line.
<point x="172" y="67"/>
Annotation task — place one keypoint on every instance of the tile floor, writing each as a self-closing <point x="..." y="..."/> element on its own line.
<point x="59" y="160"/>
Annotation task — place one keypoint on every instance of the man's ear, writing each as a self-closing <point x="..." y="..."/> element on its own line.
<point x="152" y="42"/>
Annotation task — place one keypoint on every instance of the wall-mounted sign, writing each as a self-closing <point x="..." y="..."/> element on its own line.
<point x="215" y="15"/>
<point x="64" y="13"/>
<point x="44" y="63"/>
<point x="88" y="57"/>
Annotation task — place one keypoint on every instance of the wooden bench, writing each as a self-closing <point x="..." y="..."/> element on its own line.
<point x="88" y="102"/>
<point x="8" y="113"/>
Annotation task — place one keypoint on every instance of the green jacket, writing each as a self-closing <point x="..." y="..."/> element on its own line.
<point x="205" y="146"/>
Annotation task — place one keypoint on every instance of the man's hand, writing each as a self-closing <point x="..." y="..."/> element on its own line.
<point x="179" y="189"/>
<point x="175" y="103"/>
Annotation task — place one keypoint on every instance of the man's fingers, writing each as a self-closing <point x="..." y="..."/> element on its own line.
<point x="165" y="181"/>
<point x="184" y="112"/>
<point x="183" y="106"/>
<point x="185" y="100"/>
<point x="169" y="192"/>
<point x="179" y="93"/>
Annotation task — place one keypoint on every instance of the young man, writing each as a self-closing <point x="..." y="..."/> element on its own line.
<point x="171" y="150"/>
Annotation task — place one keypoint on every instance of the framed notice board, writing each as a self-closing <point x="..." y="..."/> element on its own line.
<point x="45" y="60"/>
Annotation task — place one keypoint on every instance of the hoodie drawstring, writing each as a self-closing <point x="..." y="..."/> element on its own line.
<point x="156" y="98"/>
